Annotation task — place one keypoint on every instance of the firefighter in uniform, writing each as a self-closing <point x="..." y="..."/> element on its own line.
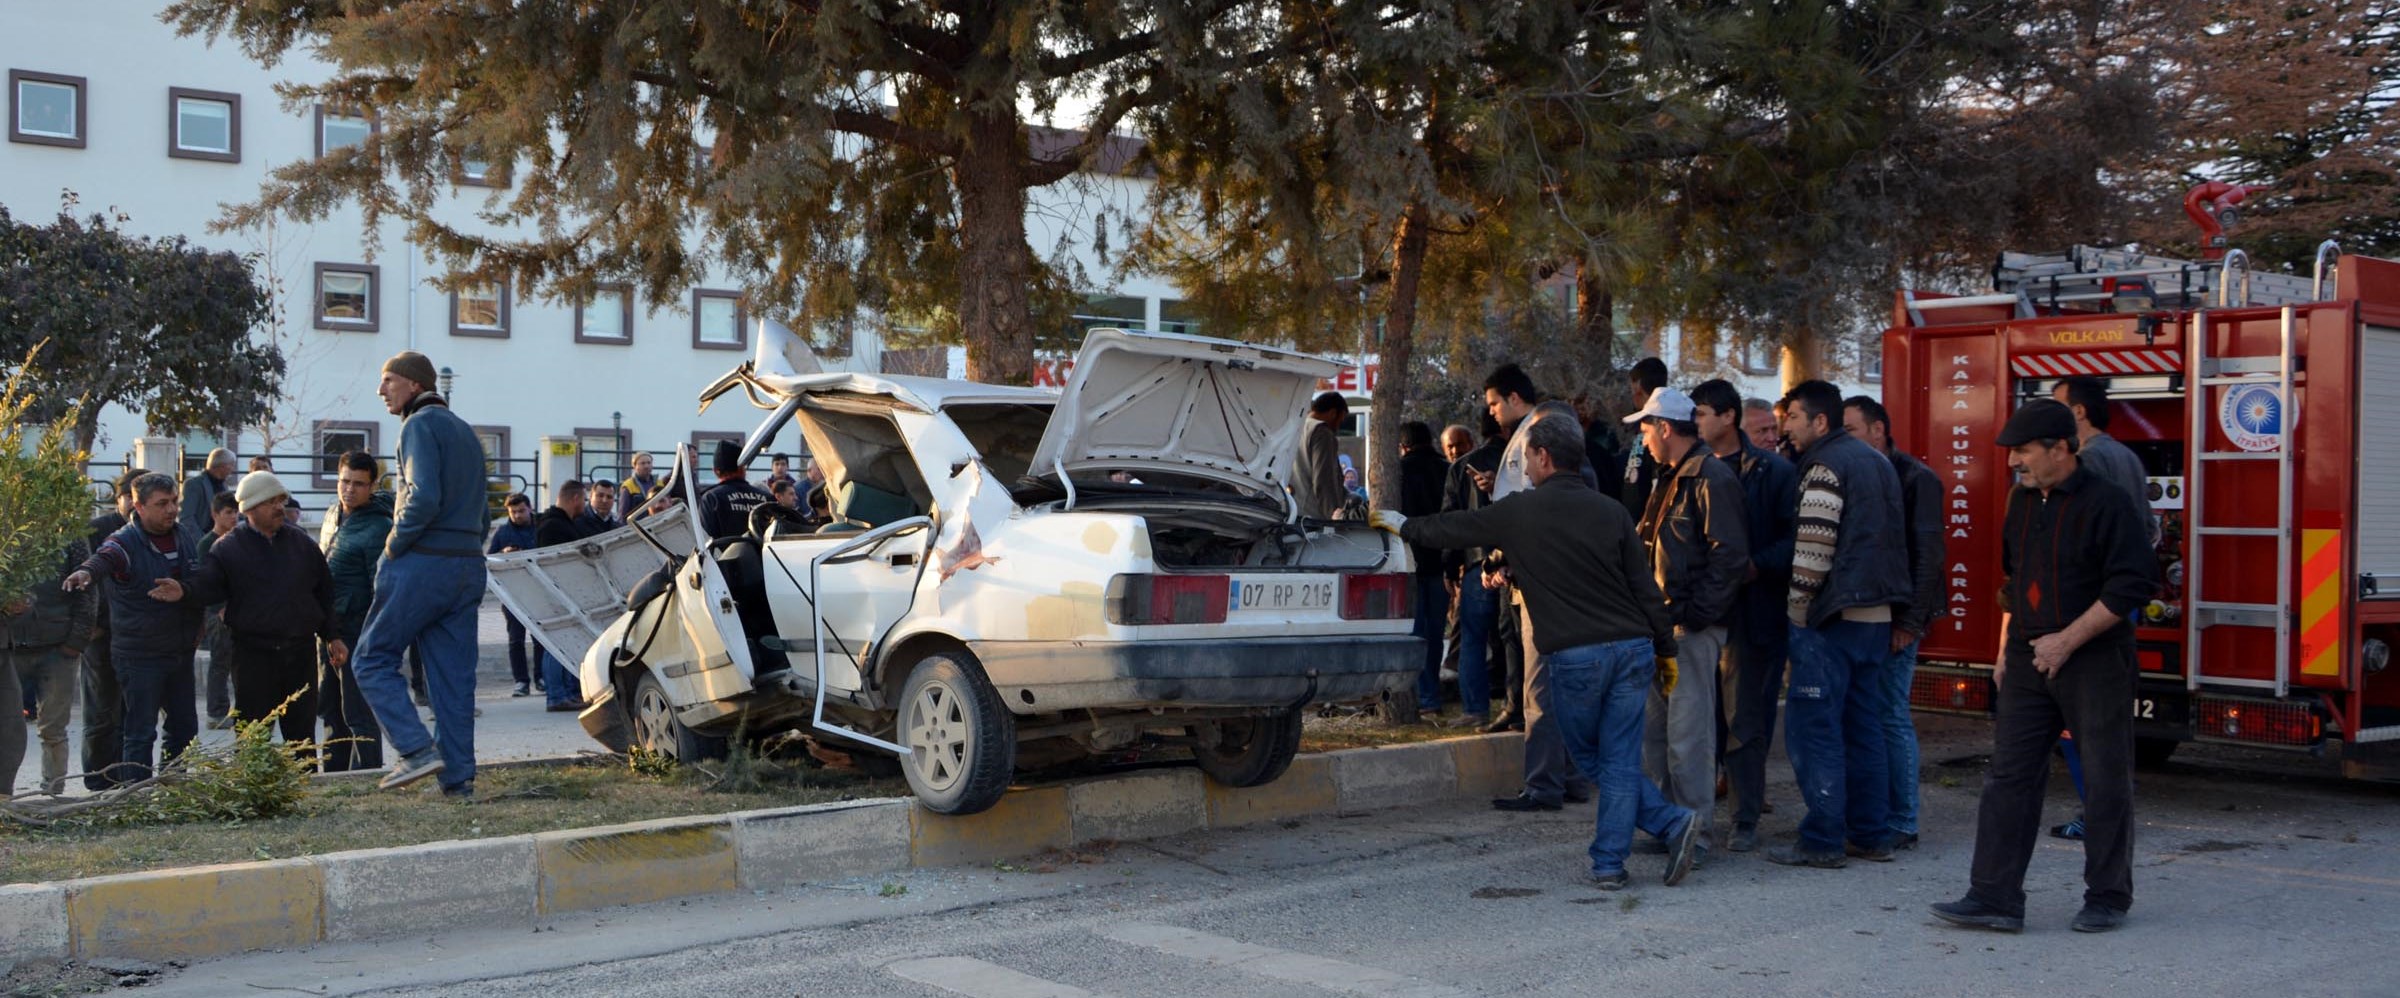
<point x="2074" y="560"/>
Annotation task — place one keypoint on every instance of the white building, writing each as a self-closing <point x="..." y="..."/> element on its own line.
<point x="109" y="103"/>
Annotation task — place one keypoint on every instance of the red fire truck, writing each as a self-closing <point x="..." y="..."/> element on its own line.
<point x="2254" y="400"/>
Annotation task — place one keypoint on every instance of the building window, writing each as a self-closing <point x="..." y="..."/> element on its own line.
<point x="1870" y="360"/>
<point x="606" y="317"/>
<point x="1756" y="356"/>
<point x="495" y="457"/>
<point x="704" y="446"/>
<point x="347" y="298"/>
<point x="718" y="322"/>
<point x="337" y="437"/>
<point x="340" y="129"/>
<point x="204" y="124"/>
<point x="603" y="453"/>
<point x="480" y="310"/>
<point x="469" y="169"/>
<point x="45" y="108"/>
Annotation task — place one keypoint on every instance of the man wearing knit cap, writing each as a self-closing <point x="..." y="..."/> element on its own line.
<point x="200" y="491"/>
<point x="278" y="600"/>
<point x="430" y="584"/>
<point x="2075" y="559"/>
<point x="725" y="509"/>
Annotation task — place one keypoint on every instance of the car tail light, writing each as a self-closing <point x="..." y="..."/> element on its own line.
<point x="1965" y="693"/>
<point x="1379" y="597"/>
<point x="2266" y="722"/>
<point x="1167" y="599"/>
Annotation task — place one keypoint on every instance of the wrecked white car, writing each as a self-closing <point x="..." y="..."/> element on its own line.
<point x="1010" y="574"/>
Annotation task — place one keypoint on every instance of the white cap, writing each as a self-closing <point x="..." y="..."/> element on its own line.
<point x="258" y="487"/>
<point x="1665" y="403"/>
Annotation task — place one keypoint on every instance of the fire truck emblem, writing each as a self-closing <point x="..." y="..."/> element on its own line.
<point x="2252" y="417"/>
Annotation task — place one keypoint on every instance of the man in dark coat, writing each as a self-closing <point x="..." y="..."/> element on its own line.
<point x="1421" y="472"/>
<point x="152" y="643"/>
<point x="42" y="634"/>
<point x="352" y="539"/>
<point x="560" y="525"/>
<point x="725" y="509"/>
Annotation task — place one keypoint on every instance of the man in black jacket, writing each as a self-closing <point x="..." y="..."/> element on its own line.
<point x="1641" y="470"/>
<point x="278" y="598"/>
<point x="151" y="643"/>
<point x="2075" y="560"/>
<point x="725" y="509"/>
<point x="1421" y="472"/>
<point x="1483" y="650"/>
<point x="1700" y="550"/>
<point x="1921" y="499"/>
<point x="42" y="634"/>
<point x="1757" y="643"/>
<point x="561" y="525"/>
<point x="1849" y="576"/>
<point x="1599" y="623"/>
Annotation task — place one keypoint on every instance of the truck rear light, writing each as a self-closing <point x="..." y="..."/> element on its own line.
<point x="2264" y="722"/>
<point x="1167" y="599"/>
<point x="1379" y="597"/>
<point x="1970" y="694"/>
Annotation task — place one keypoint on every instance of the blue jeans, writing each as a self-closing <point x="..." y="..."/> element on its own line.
<point x="428" y="601"/>
<point x="1900" y="734"/>
<point x="1433" y="615"/>
<point x="1835" y="716"/>
<point x="153" y="685"/>
<point x="1600" y="694"/>
<point x="1478" y="614"/>
<point x="560" y="684"/>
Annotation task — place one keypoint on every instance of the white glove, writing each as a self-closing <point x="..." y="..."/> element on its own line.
<point x="1386" y="520"/>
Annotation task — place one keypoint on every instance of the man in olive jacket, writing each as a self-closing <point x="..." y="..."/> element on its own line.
<point x="42" y="637"/>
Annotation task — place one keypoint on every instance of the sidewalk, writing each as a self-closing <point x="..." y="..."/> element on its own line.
<point x="510" y="728"/>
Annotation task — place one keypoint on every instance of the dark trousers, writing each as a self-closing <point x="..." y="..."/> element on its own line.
<point x="517" y="668"/>
<point x="1506" y="653"/>
<point x="103" y="714"/>
<point x="352" y="738"/>
<point x="1433" y="612"/>
<point x="2091" y="696"/>
<point x="217" y="687"/>
<point x="158" y="695"/>
<point x="1754" y="661"/>
<point x="269" y="670"/>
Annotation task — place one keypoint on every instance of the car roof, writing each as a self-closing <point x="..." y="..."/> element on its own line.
<point x="928" y="394"/>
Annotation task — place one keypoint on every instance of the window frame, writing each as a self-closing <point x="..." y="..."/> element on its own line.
<point x="624" y="439"/>
<point x="233" y="125"/>
<point x="741" y="320"/>
<point x="495" y="466"/>
<point x="624" y="293"/>
<point x="496" y="173"/>
<point x="704" y="443"/>
<point x="83" y="109"/>
<point x="317" y="133"/>
<point x="316" y="435"/>
<point x="316" y="298"/>
<point x="499" y="332"/>
<point x="1742" y="356"/>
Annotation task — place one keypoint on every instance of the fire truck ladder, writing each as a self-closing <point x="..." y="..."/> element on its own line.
<point x="2212" y="372"/>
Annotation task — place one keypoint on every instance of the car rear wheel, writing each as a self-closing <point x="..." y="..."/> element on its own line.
<point x="1248" y="751"/>
<point x="656" y="729"/>
<point x="962" y="743"/>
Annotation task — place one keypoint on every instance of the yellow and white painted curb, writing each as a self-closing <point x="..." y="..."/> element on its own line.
<point x="211" y="911"/>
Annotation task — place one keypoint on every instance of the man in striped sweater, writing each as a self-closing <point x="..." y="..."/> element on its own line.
<point x="1849" y="581"/>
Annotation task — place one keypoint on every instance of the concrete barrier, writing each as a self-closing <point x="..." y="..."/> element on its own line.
<point x="1025" y="822"/>
<point x="787" y="847"/>
<point x="33" y="922"/>
<point x="379" y="893"/>
<point x="1391" y="775"/>
<point x="1489" y="765"/>
<point x="639" y="863"/>
<point x="1305" y="789"/>
<point x="198" y="911"/>
<point x="1149" y="804"/>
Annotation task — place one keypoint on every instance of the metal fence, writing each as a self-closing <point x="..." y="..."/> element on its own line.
<point x="310" y="478"/>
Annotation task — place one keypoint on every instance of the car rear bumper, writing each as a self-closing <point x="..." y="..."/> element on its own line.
<point x="1045" y="676"/>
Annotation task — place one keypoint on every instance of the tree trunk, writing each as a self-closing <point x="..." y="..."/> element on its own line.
<point x="1596" y="324"/>
<point x="995" y="313"/>
<point x="1803" y="358"/>
<point x="1397" y="354"/>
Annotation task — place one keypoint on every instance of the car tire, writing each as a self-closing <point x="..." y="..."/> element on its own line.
<point x="962" y="742"/>
<point x="2153" y="753"/>
<point x="1248" y="752"/>
<point x="652" y="725"/>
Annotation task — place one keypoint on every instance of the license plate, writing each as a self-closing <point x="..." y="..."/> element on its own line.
<point x="2164" y="710"/>
<point x="1272" y="594"/>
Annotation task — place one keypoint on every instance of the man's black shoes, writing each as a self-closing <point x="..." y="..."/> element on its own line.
<point x="1977" y="915"/>
<point x="1508" y="721"/>
<point x="1522" y="802"/>
<point x="2098" y="918"/>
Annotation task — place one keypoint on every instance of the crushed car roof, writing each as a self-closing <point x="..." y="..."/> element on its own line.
<point x="924" y="393"/>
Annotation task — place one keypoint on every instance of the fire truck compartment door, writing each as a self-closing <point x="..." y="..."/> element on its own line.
<point x="2379" y="477"/>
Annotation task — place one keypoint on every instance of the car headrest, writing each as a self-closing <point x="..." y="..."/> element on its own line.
<point x="870" y="505"/>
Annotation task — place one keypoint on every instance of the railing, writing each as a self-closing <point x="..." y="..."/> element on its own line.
<point x="310" y="479"/>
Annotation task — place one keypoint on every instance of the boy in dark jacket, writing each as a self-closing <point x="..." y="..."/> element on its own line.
<point x="516" y="534"/>
<point x="352" y="538"/>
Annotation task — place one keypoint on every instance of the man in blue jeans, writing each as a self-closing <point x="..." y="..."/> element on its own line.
<point x="1849" y="577"/>
<point x="430" y="584"/>
<point x="1921" y="499"/>
<point x="1600" y="625"/>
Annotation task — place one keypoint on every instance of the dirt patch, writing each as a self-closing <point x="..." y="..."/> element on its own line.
<point x="354" y="815"/>
<point x="58" y="979"/>
<point x="1327" y="734"/>
<point x="1495" y="893"/>
<point x="2217" y="845"/>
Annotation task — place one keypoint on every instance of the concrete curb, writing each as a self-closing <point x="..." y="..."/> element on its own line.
<point x="209" y="911"/>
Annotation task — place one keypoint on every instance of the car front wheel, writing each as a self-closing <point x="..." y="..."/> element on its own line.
<point x="962" y="744"/>
<point x="1248" y="751"/>
<point x="656" y="729"/>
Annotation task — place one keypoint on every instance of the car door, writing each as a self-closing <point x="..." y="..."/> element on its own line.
<point x="720" y="665"/>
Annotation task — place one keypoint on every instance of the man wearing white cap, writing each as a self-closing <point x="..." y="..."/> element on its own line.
<point x="278" y="600"/>
<point x="1692" y="523"/>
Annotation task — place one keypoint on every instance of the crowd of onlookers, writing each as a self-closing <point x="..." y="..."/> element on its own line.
<point x="1649" y="608"/>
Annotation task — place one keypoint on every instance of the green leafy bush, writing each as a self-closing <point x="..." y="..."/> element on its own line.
<point x="44" y="500"/>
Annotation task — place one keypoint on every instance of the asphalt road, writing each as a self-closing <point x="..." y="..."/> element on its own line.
<point x="2256" y="875"/>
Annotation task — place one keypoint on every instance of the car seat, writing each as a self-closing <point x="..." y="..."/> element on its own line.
<point x="872" y="506"/>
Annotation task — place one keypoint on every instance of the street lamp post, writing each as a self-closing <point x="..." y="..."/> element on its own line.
<point x="447" y="378"/>
<point x="616" y="429"/>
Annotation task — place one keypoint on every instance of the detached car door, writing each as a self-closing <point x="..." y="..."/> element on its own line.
<point x="720" y="665"/>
